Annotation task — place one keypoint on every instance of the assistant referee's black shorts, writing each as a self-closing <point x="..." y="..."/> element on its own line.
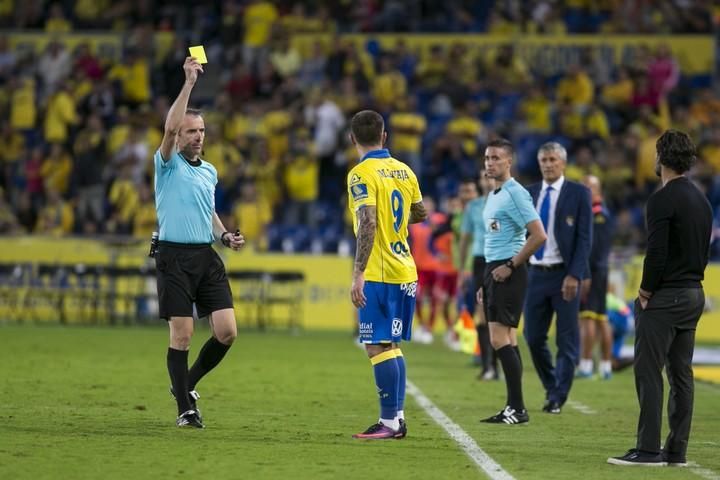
<point x="187" y="274"/>
<point x="504" y="300"/>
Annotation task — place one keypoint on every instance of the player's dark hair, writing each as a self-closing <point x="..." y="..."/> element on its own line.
<point x="367" y="128"/>
<point x="195" y="112"/>
<point x="504" y="144"/>
<point x="676" y="150"/>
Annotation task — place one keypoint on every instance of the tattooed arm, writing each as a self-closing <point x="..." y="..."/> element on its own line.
<point x="417" y="213"/>
<point x="367" y="224"/>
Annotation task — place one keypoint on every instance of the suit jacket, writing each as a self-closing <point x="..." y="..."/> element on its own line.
<point x="573" y="226"/>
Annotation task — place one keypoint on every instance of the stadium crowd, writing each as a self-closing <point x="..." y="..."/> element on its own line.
<point x="79" y="129"/>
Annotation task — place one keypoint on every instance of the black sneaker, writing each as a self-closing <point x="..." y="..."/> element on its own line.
<point x="402" y="431"/>
<point x="635" y="457"/>
<point x="674" y="459"/>
<point x="189" y="419"/>
<point x="551" y="407"/>
<point x="194" y="396"/>
<point x="509" y="416"/>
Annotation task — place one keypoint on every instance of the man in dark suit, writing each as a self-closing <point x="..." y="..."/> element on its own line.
<point x="556" y="271"/>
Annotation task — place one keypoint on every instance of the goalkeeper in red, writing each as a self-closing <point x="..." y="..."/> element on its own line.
<point x="384" y="197"/>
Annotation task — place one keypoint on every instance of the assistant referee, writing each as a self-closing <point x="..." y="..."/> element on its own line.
<point x="189" y="271"/>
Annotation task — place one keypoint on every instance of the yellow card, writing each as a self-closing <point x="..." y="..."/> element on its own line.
<point x="199" y="53"/>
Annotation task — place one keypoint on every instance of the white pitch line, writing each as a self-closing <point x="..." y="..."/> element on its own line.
<point x="581" y="407"/>
<point x="466" y="442"/>
<point x="702" y="471"/>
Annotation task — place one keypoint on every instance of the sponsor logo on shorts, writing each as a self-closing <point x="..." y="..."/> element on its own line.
<point x="410" y="289"/>
<point x="365" y="328"/>
<point x="396" y="328"/>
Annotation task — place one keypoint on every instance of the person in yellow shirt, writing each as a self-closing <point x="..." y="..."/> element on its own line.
<point x="56" y="217"/>
<point x="583" y="164"/>
<point x="23" y="103"/>
<point x="576" y="87"/>
<point x="388" y="85"/>
<point x="223" y="155"/>
<point x="57" y="22"/>
<point x="133" y="76"/>
<point x="56" y="169"/>
<point x="13" y="146"/>
<point x="252" y="214"/>
<point x="276" y="124"/>
<point x="258" y="19"/>
<point x="384" y="198"/>
<point x="433" y="68"/>
<point x="145" y="217"/>
<point x="408" y="126"/>
<point x="536" y="110"/>
<point x="596" y="123"/>
<point x="466" y="128"/>
<point x="124" y="201"/>
<point x="619" y="94"/>
<point x="570" y="121"/>
<point x="301" y="179"/>
<point x="60" y="115"/>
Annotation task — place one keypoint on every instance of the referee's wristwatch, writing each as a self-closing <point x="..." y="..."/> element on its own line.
<point x="222" y="239"/>
<point x="510" y="265"/>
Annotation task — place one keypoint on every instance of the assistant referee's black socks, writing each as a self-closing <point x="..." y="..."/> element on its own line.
<point x="210" y="355"/>
<point x="177" y="361"/>
<point x="513" y="376"/>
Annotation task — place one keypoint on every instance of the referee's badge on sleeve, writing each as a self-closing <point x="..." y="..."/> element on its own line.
<point x="359" y="191"/>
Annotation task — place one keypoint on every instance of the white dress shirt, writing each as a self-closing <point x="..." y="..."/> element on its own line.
<point x="551" y="255"/>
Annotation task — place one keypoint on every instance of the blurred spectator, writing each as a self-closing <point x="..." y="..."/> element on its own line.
<point x="56" y="22"/>
<point x="663" y="71"/>
<point x="53" y="67"/>
<point x="388" y="85"/>
<point x="56" y="170"/>
<point x="301" y="183"/>
<point x="87" y="178"/>
<point x="57" y="217"/>
<point x="60" y="116"/>
<point x="576" y="87"/>
<point x="8" y="58"/>
<point x="258" y="20"/>
<point x="285" y="58"/>
<point x="251" y="215"/>
<point x="536" y="110"/>
<point x="124" y="200"/>
<point x="145" y="218"/>
<point x="133" y="77"/>
<point x="407" y="127"/>
<point x="8" y="222"/>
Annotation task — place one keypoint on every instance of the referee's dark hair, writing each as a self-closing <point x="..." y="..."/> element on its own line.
<point x="503" y="143"/>
<point x="367" y="128"/>
<point x="676" y="150"/>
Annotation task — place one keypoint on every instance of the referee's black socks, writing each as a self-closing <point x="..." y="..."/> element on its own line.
<point x="210" y="355"/>
<point x="510" y="360"/>
<point x="177" y="364"/>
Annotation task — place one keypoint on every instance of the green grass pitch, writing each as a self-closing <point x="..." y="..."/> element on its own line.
<point x="93" y="403"/>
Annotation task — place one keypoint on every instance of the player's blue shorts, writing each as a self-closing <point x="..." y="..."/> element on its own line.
<point x="388" y="313"/>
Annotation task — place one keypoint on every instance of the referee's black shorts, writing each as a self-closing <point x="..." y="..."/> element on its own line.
<point x="595" y="305"/>
<point x="187" y="274"/>
<point x="504" y="300"/>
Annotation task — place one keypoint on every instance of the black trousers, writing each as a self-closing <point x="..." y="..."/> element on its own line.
<point x="665" y="337"/>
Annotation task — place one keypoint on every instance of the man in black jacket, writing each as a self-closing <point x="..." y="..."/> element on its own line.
<point x="669" y="305"/>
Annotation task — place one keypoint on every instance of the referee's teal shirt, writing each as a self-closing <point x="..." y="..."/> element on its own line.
<point x="184" y="199"/>
<point x="507" y="212"/>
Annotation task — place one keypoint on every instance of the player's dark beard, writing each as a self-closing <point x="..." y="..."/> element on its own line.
<point x="658" y="170"/>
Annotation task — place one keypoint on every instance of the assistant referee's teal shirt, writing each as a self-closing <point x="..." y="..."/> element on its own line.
<point x="507" y="212"/>
<point x="184" y="199"/>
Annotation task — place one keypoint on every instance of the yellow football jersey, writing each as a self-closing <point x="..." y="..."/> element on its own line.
<point x="391" y="187"/>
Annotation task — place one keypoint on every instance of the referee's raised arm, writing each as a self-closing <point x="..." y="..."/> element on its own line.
<point x="179" y="107"/>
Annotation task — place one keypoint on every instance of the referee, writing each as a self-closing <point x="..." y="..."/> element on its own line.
<point x="188" y="269"/>
<point x="669" y="305"/>
<point x="508" y="215"/>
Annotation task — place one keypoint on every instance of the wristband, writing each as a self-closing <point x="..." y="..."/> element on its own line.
<point x="510" y="265"/>
<point x="222" y="239"/>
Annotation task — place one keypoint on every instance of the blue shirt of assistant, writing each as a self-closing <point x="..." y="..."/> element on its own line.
<point x="474" y="225"/>
<point x="184" y="199"/>
<point x="507" y="212"/>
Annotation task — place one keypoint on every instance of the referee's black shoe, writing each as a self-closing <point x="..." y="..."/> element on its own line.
<point x="189" y="419"/>
<point x="638" y="458"/>
<point x="509" y="416"/>
<point x="194" y="396"/>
